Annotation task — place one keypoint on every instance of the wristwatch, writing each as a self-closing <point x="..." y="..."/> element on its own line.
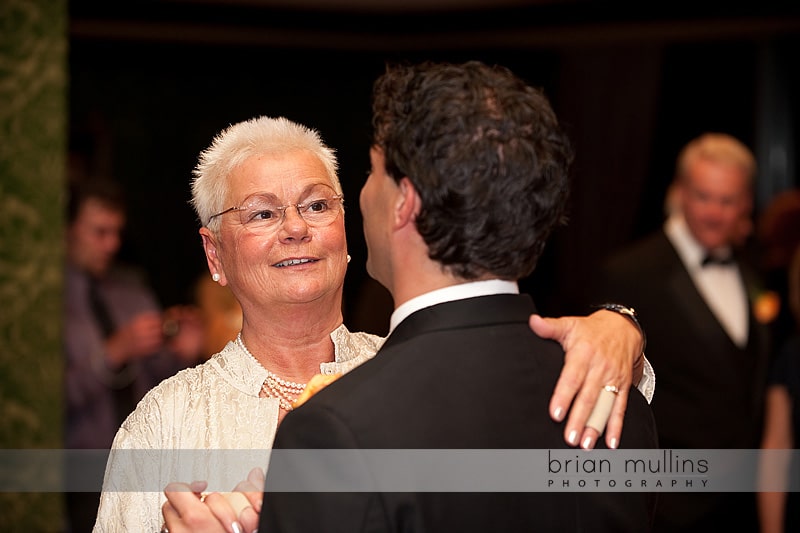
<point x="630" y="313"/>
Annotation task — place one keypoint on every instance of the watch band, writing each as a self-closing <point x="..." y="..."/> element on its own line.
<point x="630" y="314"/>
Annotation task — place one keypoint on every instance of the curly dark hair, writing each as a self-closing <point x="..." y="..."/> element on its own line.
<point x="487" y="156"/>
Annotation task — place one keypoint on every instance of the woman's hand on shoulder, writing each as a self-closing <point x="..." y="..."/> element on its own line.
<point x="601" y="351"/>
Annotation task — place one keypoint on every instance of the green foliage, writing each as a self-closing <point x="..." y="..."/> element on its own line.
<point x="33" y="140"/>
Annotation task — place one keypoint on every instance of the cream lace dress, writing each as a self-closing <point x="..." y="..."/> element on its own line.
<point x="204" y="423"/>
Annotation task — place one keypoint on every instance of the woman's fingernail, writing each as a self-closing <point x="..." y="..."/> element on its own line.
<point x="557" y="412"/>
<point x="573" y="437"/>
<point x="587" y="443"/>
<point x="613" y="444"/>
<point x="236" y="527"/>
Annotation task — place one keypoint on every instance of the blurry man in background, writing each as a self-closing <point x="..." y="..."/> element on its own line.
<point x="696" y="288"/>
<point x="118" y="342"/>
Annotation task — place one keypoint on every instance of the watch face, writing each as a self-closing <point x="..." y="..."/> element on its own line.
<point x="619" y="308"/>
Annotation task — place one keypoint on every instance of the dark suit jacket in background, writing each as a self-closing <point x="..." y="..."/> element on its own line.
<point x="709" y="392"/>
<point x="462" y="374"/>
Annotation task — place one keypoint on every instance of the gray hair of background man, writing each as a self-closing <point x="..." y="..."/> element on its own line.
<point x="717" y="147"/>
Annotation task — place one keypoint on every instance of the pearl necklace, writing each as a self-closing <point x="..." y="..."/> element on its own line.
<point x="286" y="392"/>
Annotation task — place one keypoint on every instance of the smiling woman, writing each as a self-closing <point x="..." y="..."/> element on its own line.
<point x="282" y="252"/>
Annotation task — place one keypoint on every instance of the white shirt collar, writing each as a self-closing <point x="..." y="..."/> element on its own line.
<point x="448" y="294"/>
<point x="690" y="251"/>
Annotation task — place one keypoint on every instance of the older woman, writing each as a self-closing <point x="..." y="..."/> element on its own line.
<point x="270" y="202"/>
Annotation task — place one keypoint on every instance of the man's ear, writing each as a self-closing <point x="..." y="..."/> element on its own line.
<point x="210" y="248"/>
<point x="408" y="203"/>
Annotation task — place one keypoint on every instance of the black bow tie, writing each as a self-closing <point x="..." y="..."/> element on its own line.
<point x="716" y="260"/>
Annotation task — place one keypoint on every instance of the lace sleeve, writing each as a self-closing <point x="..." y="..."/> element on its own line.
<point x="647" y="385"/>
<point x="132" y="486"/>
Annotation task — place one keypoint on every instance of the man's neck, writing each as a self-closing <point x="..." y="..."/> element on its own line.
<point x="421" y="277"/>
<point x="413" y="273"/>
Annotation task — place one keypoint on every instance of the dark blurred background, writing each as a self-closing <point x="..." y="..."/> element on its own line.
<point x="150" y="83"/>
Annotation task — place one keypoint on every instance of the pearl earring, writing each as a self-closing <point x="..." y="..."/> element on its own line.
<point x="215" y="276"/>
<point x="348" y="258"/>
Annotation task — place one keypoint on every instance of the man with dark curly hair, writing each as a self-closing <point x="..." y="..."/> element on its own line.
<point x="469" y="177"/>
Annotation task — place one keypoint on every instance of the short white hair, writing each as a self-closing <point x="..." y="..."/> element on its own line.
<point x="238" y="143"/>
<point x="720" y="148"/>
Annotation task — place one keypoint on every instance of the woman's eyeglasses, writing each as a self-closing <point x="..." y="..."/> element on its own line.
<point x="259" y="214"/>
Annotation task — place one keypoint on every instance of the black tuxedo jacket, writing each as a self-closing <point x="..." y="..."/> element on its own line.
<point x="709" y="392"/>
<point x="463" y="374"/>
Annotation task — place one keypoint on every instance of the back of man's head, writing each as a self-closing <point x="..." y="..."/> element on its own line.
<point x="487" y="157"/>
